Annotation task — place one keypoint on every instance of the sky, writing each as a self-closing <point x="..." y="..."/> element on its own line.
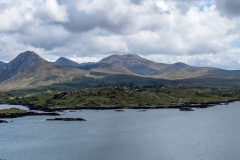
<point x="196" y="32"/>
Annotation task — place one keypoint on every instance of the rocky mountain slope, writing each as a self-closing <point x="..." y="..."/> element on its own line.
<point x="20" y="64"/>
<point x="135" y="64"/>
<point x="2" y="65"/>
<point x="28" y="70"/>
<point x="144" y="67"/>
<point x="106" y="68"/>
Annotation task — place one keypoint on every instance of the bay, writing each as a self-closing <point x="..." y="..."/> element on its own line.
<point x="165" y="134"/>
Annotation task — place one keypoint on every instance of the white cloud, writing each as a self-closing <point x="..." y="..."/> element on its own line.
<point x="195" y="32"/>
<point x="84" y="59"/>
<point x="162" y="6"/>
<point x="47" y="37"/>
<point x="14" y="15"/>
<point x="55" y="11"/>
<point x="228" y="60"/>
<point x="10" y="48"/>
<point x="11" y="19"/>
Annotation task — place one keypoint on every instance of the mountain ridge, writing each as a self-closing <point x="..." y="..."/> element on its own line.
<point x="145" y="67"/>
<point x="29" y="70"/>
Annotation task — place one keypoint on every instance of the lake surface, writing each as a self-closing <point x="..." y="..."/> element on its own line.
<point x="164" y="134"/>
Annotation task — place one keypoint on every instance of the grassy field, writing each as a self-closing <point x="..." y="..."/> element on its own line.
<point x="11" y="111"/>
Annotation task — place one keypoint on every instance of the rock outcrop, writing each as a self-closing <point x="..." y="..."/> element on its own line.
<point x="186" y="109"/>
<point x="119" y="110"/>
<point x="2" y="121"/>
<point x="60" y="95"/>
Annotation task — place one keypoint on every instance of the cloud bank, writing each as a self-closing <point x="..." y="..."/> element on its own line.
<point x="200" y="32"/>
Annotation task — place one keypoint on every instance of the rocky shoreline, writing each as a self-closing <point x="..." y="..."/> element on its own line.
<point x="17" y="115"/>
<point x="187" y="106"/>
<point x="51" y="111"/>
<point x="113" y="107"/>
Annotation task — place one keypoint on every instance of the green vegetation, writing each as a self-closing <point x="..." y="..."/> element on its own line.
<point x="122" y="96"/>
<point x="12" y="111"/>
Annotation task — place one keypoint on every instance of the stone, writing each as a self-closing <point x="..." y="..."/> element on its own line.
<point x="186" y="109"/>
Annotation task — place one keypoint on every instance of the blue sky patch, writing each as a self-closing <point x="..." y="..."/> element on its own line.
<point x="236" y="43"/>
<point x="207" y="3"/>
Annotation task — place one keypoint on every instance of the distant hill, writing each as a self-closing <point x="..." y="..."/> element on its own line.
<point x="65" y="62"/>
<point x="145" y="67"/>
<point x="62" y="61"/>
<point x="135" y="64"/>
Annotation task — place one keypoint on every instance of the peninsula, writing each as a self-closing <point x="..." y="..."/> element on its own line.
<point x="118" y="97"/>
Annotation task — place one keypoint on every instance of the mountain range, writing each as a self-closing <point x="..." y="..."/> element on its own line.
<point x="135" y="65"/>
<point x="29" y="70"/>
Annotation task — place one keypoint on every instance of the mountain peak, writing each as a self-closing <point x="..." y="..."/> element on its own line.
<point x="131" y="55"/>
<point x="115" y="58"/>
<point x="20" y="64"/>
<point x="24" y="60"/>
<point x="124" y="60"/>
<point x="29" y="56"/>
<point x="62" y="61"/>
<point x="110" y="59"/>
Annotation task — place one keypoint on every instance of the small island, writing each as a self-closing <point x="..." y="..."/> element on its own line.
<point x="16" y="112"/>
<point x="66" y="119"/>
<point x="186" y="109"/>
<point x="2" y="121"/>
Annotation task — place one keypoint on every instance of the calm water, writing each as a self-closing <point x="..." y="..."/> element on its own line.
<point x="6" y="106"/>
<point x="212" y="134"/>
